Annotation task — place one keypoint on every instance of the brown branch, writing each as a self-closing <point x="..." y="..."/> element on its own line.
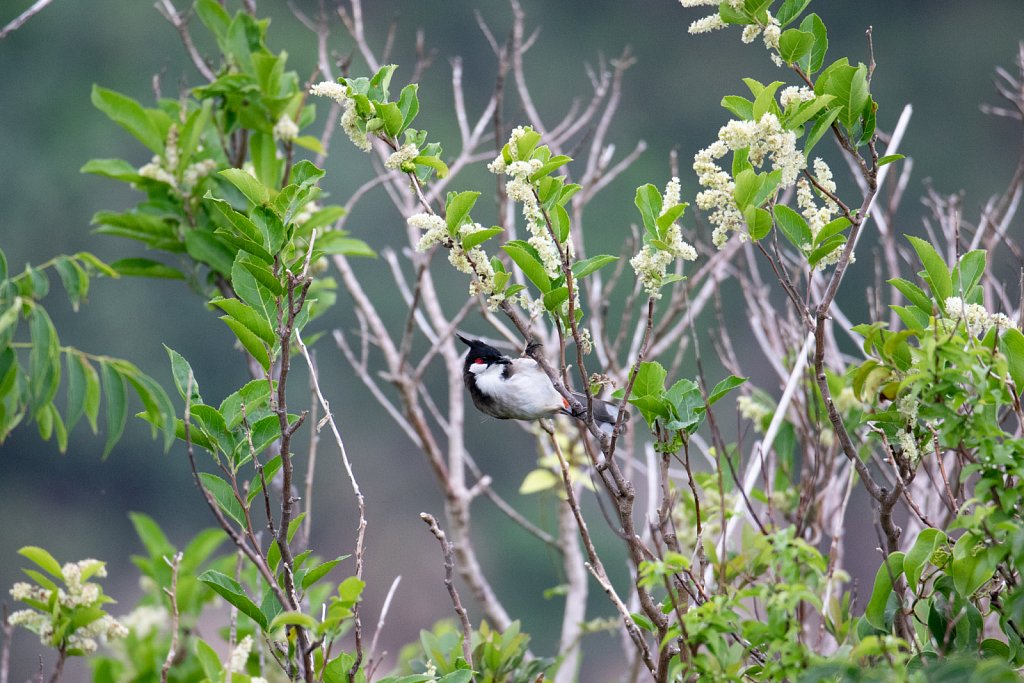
<point x="172" y="595"/>
<point x="20" y="20"/>
<point x="449" y="582"/>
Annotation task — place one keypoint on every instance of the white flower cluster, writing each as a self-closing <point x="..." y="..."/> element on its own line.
<point x="349" y="120"/>
<point x="976" y="317"/>
<point x="145" y="619"/>
<point x="520" y="190"/>
<point x="163" y="169"/>
<point x="285" y="129"/>
<point x="651" y="263"/>
<point x="473" y="262"/>
<point x="909" y="444"/>
<point x="240" y="655"/>
<point x="752" y="409"/>
<point x="712" y="22"/>
<point x="795" y="95"/>
<point x="402" y="155"/>
<point x="771" y="32"/>
<point x="818" y="217"/>
<point x="764" y="139"/>
<point x="78" y="593"/>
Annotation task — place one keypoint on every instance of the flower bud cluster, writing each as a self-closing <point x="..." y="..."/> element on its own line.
<point x="765" y="140"/>
<point x="349" y="119"/>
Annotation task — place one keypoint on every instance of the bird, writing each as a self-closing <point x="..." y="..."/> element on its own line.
<point x="518" y="389"/>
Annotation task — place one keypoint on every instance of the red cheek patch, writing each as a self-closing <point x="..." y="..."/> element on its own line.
<point x="479" y="361"/>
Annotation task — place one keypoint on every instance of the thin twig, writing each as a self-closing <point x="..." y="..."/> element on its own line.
<point x="449" y="582"/>
<point x="172" y="595"/>
<point x="20" y="20"/>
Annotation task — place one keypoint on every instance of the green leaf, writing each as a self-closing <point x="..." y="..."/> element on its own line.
<point x="252" y="343"/>
<point x="967" y="273"/>
<point x="889" y="158"/>
<point x="794" y="45"/>
<point x="1011" y="343"/>
<point x="152" y="537"/>
<point x="822" y="124"/>
<point x="805" y="111"/>
<point x="250" y="287"/>
<point x="77" y="387"/>
<point x="457" y="210"/>
<point x="740" y="106"/>
<point x="790" y="10"/>
<point x="724" y="387"/>
<point x="117" y="410"/>
<point x="408" y="104"/>
<point x="581" y="269"/>
<point x="938" y="274"/>
<point x="159" y="410"/>
<point x="539" y="480"/>
<point x="477" y="238"/>
<point x="44" y="359"/>
<point x="224" y="495"/>
<point x="832" y="229"/>
<point x="180" y="370"/>
<point x="884" y="577"/>
<point x="318" y="572"/>
<point x="650" y="379"/>
<point x="205" y="248"/>
<point x="292" y="619"/>
<point x="746" y="186"/>
<point x="849" y="84"/>
<point x="118" y="169"/>
<point x="269" y="470"/>
<point x="74" y="279"/>
<point x="825" y="248"/>
<point x="648" y="201"/>
<point x="813" y="24"/>
<point x="793" y="226"/>
<point x="232" y="591"/>
<point x="129" y="114"/>
<point x="555" y="298"/>
<point x="433" y="162"/>
<point x="765" y="102"/>
<point x="247" y="184"/>
<point x="144" y="267"/>
<point x="914" y="294"/>
<point x="529" y="264"/>
<point x="263" y="151"/>
<point x="208" y="658"/>
<point x="759" y="222"/>
<point x="919" y="554"/>
<point x="552" y="164"/>
<point x="247" y="316"/>
<point x="44" y="559"/>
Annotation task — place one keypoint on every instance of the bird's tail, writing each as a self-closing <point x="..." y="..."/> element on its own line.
<point x="605" y="413"/>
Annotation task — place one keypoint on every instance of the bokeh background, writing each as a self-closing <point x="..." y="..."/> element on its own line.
<point x="938" y="55"/>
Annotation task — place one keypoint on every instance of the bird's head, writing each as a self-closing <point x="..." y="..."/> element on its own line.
<point x="481" y="356"/>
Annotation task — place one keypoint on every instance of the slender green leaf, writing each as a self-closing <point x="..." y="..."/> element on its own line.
<point x="935" y="267"/>
<point x="232" y="591"/>
<point x="889" y="571"/>
<point x="724" y="387"/>
<point x="914" y="294"/>
<point x="252" y="343"/>
<point x="117" y="409"/>
<point x="457" y="210"/>
<point x="581" y="269"/>
<point x="529" y="264"/>
<point x="247" y="184"/>
<point x="793" y="226"/>
<point x="130" y="115"/>
<point x="247" y="315"/>
<point x="224" y="495"/>
<point x="144" y="267"/>
<point x="42" y="558"/>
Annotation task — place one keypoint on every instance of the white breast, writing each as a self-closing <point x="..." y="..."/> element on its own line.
<point x="527" y="394"/>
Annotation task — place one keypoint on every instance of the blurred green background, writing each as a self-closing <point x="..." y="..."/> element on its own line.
<point x="938" y="55"/>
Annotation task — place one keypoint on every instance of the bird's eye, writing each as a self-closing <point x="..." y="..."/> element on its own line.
<point x="479" y="361"/>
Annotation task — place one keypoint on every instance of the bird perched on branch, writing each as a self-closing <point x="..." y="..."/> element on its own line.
<point x="519" y="389"/>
